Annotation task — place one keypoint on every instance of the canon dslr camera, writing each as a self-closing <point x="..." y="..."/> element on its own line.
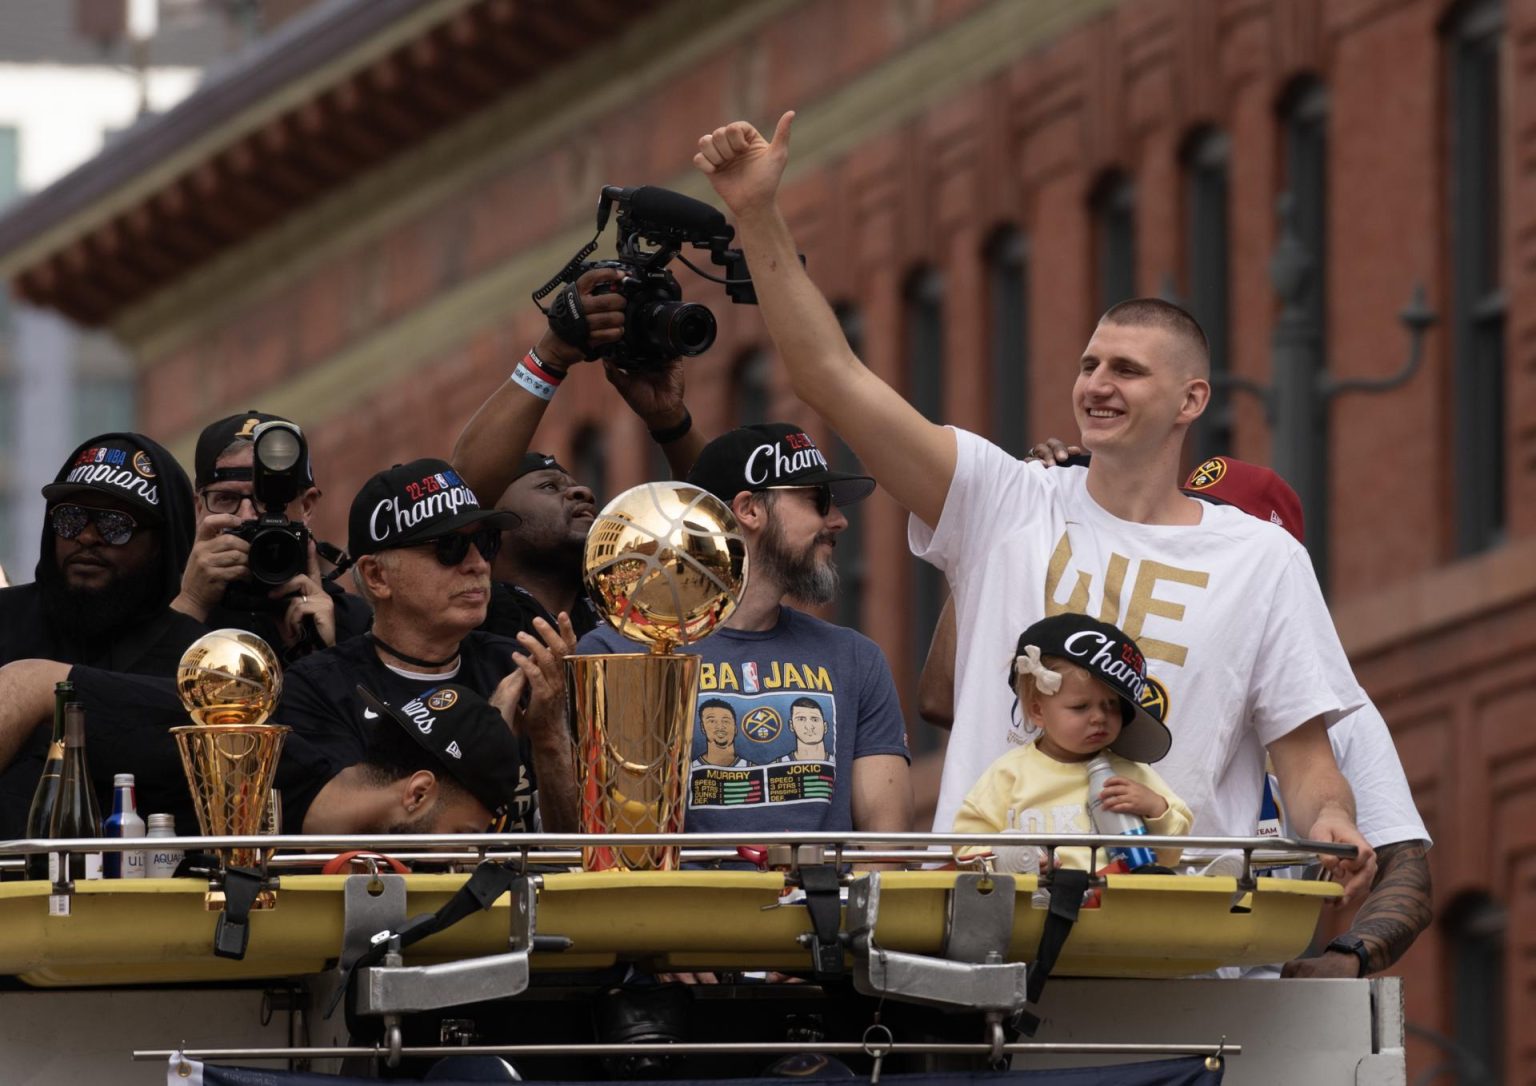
<point x="654" y="224"/>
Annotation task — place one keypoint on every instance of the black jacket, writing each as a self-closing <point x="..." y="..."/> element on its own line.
<point x="150" y="642"/>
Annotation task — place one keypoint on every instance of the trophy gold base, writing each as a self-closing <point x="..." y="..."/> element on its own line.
<point x="634" y="715"/>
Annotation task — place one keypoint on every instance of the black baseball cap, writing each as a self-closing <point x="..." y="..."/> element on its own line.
<point x="415" y="503"/>
<point x="537" y="461"/>
<point x="771" y="454"/>
<point x="466" y="734"/>
<point x="117" y="467"/>
<point x="1106" y="653"/>
<point x="218" y="436"/>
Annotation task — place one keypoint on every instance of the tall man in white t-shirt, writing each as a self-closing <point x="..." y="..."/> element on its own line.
<point x="1226" y="608"/>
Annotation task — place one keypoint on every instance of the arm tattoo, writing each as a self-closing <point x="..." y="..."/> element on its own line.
<point x="1398" y="906"/>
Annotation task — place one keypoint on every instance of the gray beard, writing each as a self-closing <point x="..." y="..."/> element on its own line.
<point x="799" y="576"/>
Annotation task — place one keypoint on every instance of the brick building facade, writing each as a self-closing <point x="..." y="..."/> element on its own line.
<point x="972" y="183"/>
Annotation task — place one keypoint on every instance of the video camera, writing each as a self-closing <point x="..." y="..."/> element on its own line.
<point x="654" y="225"/>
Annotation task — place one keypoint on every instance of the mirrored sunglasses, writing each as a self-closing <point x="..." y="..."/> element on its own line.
<point x="450" y="549"/>
<point x="115" y="528"/>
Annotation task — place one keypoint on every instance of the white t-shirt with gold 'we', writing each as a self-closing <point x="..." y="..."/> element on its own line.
<point x="1238" y="640"/>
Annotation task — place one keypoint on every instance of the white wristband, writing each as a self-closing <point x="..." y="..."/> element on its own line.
<point x="535" y="378"/>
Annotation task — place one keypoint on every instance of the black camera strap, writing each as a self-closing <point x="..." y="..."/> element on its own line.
<point x="566" y="274"/>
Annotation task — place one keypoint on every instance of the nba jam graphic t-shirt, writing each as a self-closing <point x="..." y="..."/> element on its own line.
<point x="781" y="716"/>
<point x="1240" y="648"/>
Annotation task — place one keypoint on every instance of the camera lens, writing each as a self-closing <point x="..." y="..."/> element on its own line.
<point x="278" y="555"/>
<point x="680" y="328"/>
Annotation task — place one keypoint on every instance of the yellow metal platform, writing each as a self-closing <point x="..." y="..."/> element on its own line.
<point x="158" y="931"/>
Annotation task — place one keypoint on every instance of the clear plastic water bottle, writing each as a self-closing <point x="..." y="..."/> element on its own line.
<point x="1115" y="822"/>
<point x="124" y="821"/>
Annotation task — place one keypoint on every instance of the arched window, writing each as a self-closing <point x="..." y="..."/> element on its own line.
<point x="1206" y="165"/>
<point x="1007" y="270"/>
<point x="1475" y="928"/>
<point x="1474" y="138"/>
<point x="1304" y="131"/>
<point x="1113" y="208"/>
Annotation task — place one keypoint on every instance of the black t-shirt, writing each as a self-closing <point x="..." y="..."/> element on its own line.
<point x="320" y="703"/>
<point x="512" y="611"/>
<point x="146" y="646"/>
<point x="127" y="730"/>
<point x="153" y="648"/>
<point x="353" y="617"/>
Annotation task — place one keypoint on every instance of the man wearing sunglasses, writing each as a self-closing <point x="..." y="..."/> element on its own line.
<point x="770" y="660"/>
<point x="116" y="532"/>
<point x="423" y="548"/>
<point x="303" y="614"/>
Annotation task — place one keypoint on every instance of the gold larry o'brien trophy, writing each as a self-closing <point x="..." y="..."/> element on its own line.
<point x="229" y="681"/>
<point x="666" y="564"/>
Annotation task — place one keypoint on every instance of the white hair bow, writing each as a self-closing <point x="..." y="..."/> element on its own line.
<point x="1046" y="680"/>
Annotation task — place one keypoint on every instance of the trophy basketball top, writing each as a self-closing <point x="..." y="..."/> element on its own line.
<point x="666" y="564"/>
<point x="229" y="677"/>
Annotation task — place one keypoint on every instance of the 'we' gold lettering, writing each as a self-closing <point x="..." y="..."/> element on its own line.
<point x="1143" y="602"/>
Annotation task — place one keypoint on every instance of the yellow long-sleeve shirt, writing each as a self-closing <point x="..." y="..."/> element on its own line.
<point x="1048" y="796"/>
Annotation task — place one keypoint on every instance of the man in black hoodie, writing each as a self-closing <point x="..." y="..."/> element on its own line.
<point x="116" y="534"/>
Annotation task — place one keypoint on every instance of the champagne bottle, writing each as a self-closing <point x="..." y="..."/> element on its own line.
<point x="76" y="813"/>
<point x="40" y="814"/>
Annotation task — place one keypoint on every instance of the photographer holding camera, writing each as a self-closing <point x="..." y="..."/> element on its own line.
<point x="274" y="589"/>
<point x="630" y="313"/>
<point x="489" y="452"/>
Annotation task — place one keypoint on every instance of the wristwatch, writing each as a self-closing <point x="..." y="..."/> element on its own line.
<point x="1353" y="944"/>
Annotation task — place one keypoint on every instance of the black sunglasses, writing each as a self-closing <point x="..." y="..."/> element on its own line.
<point x="450" y="549"/>
<point x="115" y="528"/>
<point x="821" y="495"/>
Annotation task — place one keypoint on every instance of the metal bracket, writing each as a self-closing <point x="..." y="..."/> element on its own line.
<point x="371" y="904"/>
<point x="973" y="974"/>
<point x="398" y="989"/>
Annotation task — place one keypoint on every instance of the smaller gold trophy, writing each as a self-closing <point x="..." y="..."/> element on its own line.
<point x="229" y="681"/>
<point x="666" y="563"/>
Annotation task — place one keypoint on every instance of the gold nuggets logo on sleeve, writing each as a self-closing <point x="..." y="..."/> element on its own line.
<point x="143" y="464"/>
<point x="762" y="725"/>
<point x="443" y="699"/>
<point x="1154" y="699"/>
<point x="1208" y="473"/>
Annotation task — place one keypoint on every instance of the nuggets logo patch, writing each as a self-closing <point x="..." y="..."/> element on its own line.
<point x="762" y="725"/>
<point x="143" y="465"/>
<point x="1154" y="699"/>
<point x="443" y="699"/>
<point x="1208" y="474"/>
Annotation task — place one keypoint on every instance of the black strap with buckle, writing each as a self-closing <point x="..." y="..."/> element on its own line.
<point x="824" y="902"/>
<point x="232" y="933"/>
